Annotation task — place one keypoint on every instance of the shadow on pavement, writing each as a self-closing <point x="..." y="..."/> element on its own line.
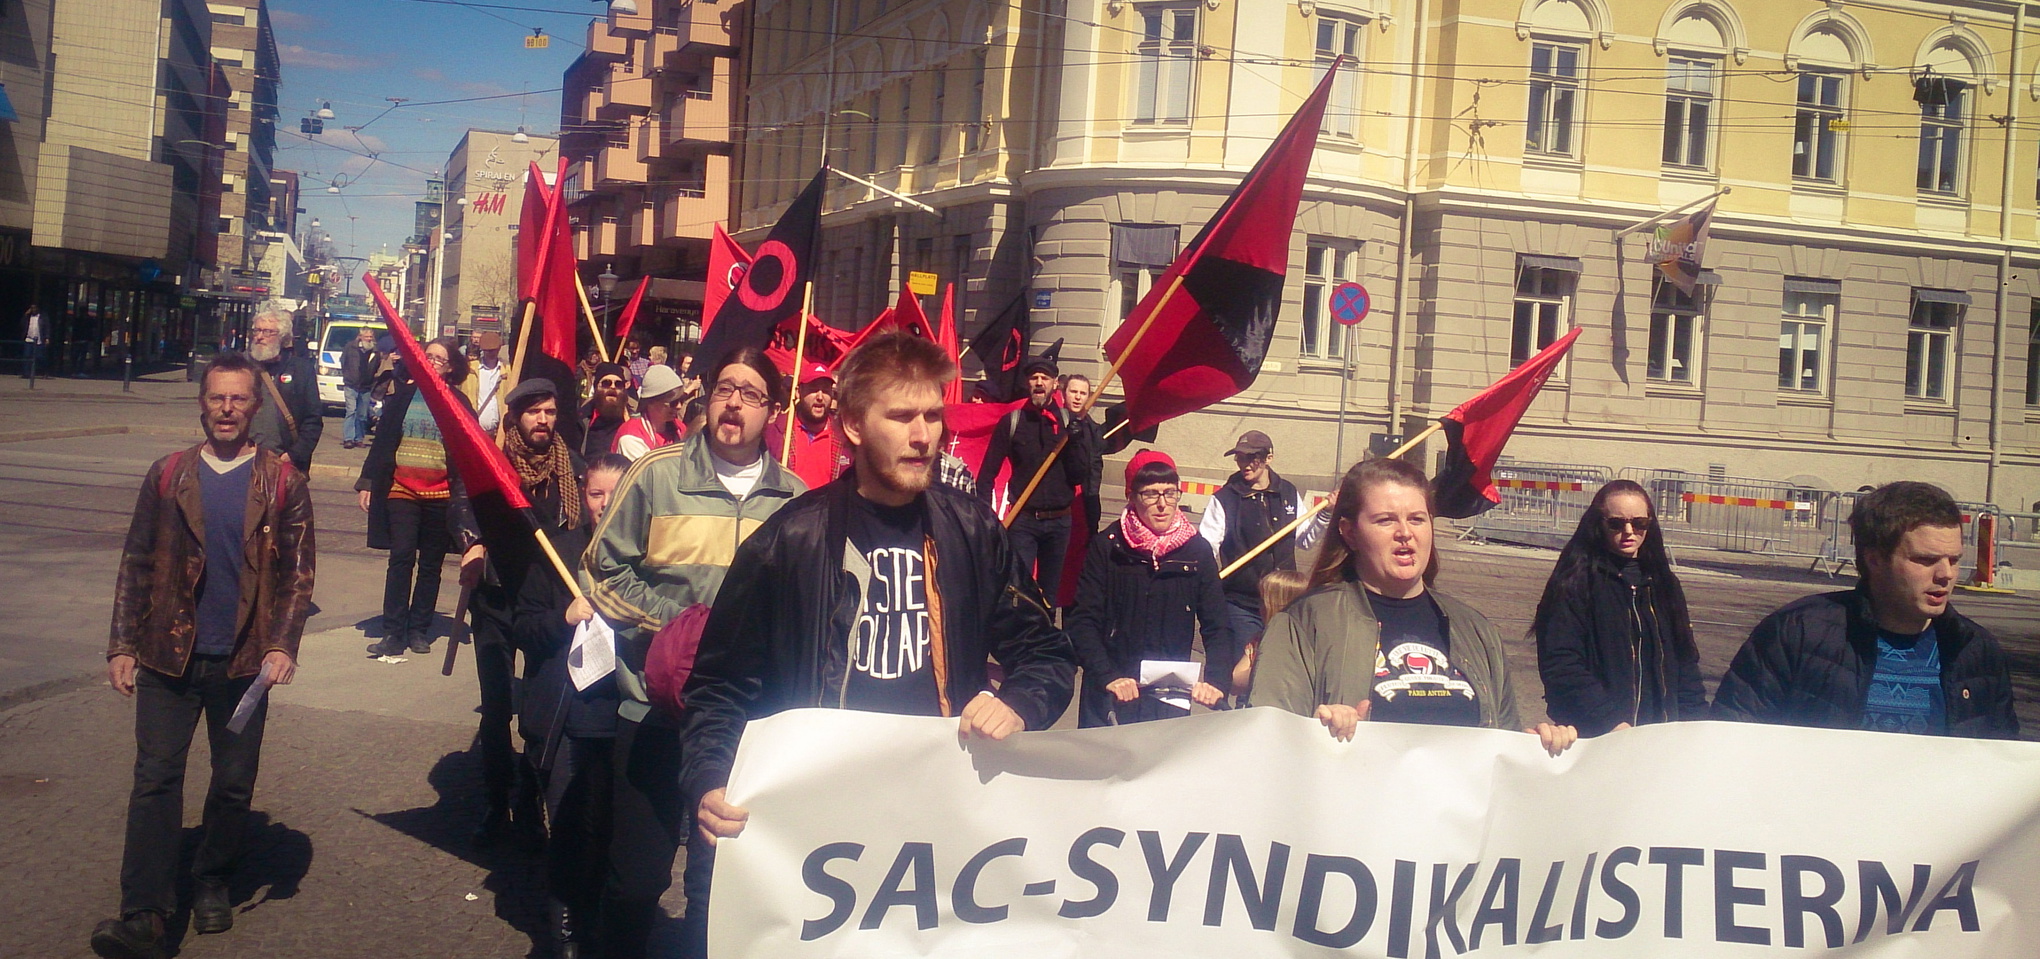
<point x="275" y="859"/>
<point x="516" y="876"/>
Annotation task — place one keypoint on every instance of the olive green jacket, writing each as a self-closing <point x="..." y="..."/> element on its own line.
<point x="1322" y="649"/>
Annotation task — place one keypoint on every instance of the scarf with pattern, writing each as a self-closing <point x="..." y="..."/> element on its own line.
<point x="1155" y="545"/>
<point x="536" y="467"/>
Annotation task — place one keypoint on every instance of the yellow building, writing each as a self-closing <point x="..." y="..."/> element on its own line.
<point x="485" y="177"/>
<point x="1868" y="313"/>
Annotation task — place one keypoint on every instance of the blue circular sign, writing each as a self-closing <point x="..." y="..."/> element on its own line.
<point x="1349" y="303"/>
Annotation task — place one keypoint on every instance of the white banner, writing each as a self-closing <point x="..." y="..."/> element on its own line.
<point x="1256" y="834"/>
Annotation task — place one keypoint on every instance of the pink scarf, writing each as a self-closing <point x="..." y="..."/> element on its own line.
<point x="1155" y="545"/>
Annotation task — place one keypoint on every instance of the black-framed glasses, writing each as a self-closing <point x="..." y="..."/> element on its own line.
<point x="1617" y="524"/>
<point x="1153" y="496"/>
<point x="609" y="383"/>
<point x="749" y="396"/>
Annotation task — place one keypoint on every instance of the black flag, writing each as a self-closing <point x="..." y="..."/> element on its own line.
<point x="772" y="289"/>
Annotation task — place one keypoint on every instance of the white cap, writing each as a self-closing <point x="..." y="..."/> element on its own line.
<point x="659" y="381"/>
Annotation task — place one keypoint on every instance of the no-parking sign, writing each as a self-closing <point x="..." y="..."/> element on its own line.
<point x="1349" y="303"/>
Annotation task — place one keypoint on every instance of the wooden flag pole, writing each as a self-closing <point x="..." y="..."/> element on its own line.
<point x="1013" y="511"/>
<point x="516" y="364"/>
<point x="1414" y="442"/>
<point x="458" y="635"/>
<point x="807" y="305"/>
<point x="588" y="311"/>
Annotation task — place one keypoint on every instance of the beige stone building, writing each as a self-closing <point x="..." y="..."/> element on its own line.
<point x="645" y="117"/>
<point x="1869" y="313"/>
<point x="244" y="46"/>
<point x="485" y="176"/>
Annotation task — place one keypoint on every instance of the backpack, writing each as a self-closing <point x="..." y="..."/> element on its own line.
<point x="670" y="661"/>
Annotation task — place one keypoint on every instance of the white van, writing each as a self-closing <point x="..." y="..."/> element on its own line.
<point x="337" y="336"/>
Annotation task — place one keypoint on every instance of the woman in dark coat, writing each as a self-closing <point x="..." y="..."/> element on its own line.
<point x="1150" y="583"/>
<point x="414" y="505"/>
<point x="1614" y="640"/>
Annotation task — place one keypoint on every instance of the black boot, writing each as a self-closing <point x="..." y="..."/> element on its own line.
<point x="566" y="936"/>
<point x="421" y="643"/>
<point x="627" y="928"/>
<point x="138" y="936"/>
<point x="494" y="829"/>
<point x="213" y="910"/>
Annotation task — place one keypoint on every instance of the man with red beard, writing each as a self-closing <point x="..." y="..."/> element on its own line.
<point x="605" y="410"/>
<point x="215" y="584"/>
<point x="882" y="591"/>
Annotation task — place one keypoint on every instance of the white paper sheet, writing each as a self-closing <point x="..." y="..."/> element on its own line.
<point x="1170" y="673"/>
<point x="593" y="654"/>
<point x="244" y="711"/>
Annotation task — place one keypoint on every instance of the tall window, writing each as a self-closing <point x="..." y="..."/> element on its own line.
<point x="1676" y="319"/>
<point x="1941" y="137"/>
<point x="974" y="123"/>
<point x="1336" y="37"/>
<point x="1140" y="253"/>
<point x="1326" y="264"/>
<point x="1816" y="142"/>
<point x="1167" y="58"/>
<point x="1930" y="343"/>
<point x="1803" y="336"/>
<point x="906" y="123"/>
<point x="1554" y="98"/>
<point x="1689" y="113"/>
<point x="1543" y="309"/>
<point x="871" y="111"/>
<point x="939" y="130"/>
<point x="2033" y="357"/>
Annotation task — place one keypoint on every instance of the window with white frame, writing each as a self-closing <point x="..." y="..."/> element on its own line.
<point x="1326" y="264"/>
<point x="1677" y="328"/>
<point x="1554" y="98"/>
<point x="975" y="122"/>
<point x="1805" y="329"/>
<point x="1141" y="252"/>
<point x="1339" y="36"/>
<point x="937" y="110"/>
<point x="905" y="133"/>
<point x="1941" y="128"/>
<point x="1930" y="343"/>
<point x="1689" y="112"/>
<point x="1816" y="127"/>
<point x="1166" y="59"/>
<point x="1544" y="295"/>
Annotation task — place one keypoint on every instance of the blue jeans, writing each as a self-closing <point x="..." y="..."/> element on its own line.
<point x="358" y="405"/>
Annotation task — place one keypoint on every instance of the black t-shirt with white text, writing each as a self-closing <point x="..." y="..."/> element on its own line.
<point x="1414" y="679"/>
<point x="890" y="668"/>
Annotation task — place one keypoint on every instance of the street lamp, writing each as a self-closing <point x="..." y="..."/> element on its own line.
<point x="622" y="8"/>
<point x="606" y="282"/>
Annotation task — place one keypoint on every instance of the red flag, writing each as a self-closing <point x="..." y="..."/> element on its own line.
<point x="727" y="262"/>
<point x="825" y="344"/>
<point x="970" y="428"/>
<point x="557" y="286"/>
<point x="501" y="509"/>
<point x="904" y="315"/>
<point x="630" y="311"/>
<point x="945" y="334"/>
<point x="1476" y="432"/>
<point x="1180" y="353"/>
<point x="534" y="224"/>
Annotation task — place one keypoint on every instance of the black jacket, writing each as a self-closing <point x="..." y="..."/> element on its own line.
<point x="1130" y="608"/>
<point x="1026" y="436"/>
<point x="1811" y="662"/>
<point x="1608" y="655"/>
<point x="539" y="629"/>
<point x="1251" y="516"/>
<point x="788" y="597"/>
<point x="297" y="377"/>
<point x="358" y="367"/>
<point x="379" y="470"/>
<point x="1087" y="439"/>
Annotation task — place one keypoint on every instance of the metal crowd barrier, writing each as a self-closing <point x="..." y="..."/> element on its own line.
<point x="1744" y="515"/>
<point x="1541" y="502"/>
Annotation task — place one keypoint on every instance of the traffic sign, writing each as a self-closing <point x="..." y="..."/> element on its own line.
<point x="1349" y="303"/>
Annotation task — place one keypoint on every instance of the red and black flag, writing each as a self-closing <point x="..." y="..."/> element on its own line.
<point x="727" y="261"/>
<point x="1001" y="347"/>
<point x="772" y="288"/>
<point x="502" y="512"/>
<point x="1476" y="432"/>
<point x="1183" y="350"/>
<point x="545" y="247"/>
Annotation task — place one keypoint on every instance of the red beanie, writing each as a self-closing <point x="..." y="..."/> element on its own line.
<point x="1143" y="458"/>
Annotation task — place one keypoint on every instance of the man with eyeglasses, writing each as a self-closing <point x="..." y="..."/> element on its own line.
<point x="657" y="424"/>
<point x="883" y="591"/>
<point x="672" y="528"/>
<point x="1249" y="508"/>
<point x="289" y="420"/>
<point x="606" y="409"/>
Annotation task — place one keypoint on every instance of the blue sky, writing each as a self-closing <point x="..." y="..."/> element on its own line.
<point x="357" y="53"/>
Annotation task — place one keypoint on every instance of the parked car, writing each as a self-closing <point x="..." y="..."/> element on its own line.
<point x="338" y="334"/>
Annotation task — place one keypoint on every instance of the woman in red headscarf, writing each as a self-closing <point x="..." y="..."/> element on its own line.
<point x="1150" y="584"/>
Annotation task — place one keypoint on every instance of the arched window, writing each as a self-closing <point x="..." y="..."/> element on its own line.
<point x="1559" y="32"/>
<point x="1950" y="66"/>
<point x="1826" y="47"/>
<point x="1695" y="36"/>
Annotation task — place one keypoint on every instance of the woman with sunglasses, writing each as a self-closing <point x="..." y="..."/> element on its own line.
<point x="1614" y="642"/>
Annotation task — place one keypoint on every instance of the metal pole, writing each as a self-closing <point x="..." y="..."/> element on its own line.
<point x="1345" y="378"/>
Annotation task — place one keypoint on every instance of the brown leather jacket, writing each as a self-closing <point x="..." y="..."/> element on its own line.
<point x="155" y="604"/>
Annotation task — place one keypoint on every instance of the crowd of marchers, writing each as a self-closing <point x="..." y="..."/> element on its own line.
<point x="759" y="540"/>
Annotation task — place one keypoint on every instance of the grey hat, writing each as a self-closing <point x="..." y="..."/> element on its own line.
<point x="659" y="380"/>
